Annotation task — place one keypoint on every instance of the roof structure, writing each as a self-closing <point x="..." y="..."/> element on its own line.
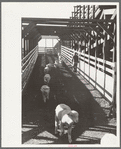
<point x="85" y="18"/>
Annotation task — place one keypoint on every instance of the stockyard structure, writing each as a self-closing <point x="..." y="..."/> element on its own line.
<point x="91" y="31"/>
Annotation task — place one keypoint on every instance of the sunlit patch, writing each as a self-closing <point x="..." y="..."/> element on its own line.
<point x="27" y="125"/>
<point x="37" y="141"/>
<point x="81" y="139"/>
<point x="86" y="138"/>
<point x="93" y="133"/>
<point x="90" y="87"/>
<point x="26" y="129"/>
<point x="44" y="137"/>
<point x="47" y="135"/>
<point x="106" y="127"/>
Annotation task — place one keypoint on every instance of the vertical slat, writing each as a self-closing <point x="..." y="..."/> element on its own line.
<point x="114" y="68"/>
<point x="104" y="68"/>
<point x="28" y="46"/>
<point x="84" y="57"/>
<point x="24" y="48"/>
<point x="89" y="48"/>
<point x="45" y="45"/>
<point x="96" y="51"/>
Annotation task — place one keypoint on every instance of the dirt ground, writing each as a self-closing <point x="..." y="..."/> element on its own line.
<point x="71" y="89"/>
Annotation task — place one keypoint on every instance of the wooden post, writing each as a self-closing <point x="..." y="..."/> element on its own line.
<point x="84" y="56"/>
<point x="96" y="51"/>
<point x="89" y="48"/>
<point x="27" y="46"/>
<point x="114" y="68"/>
<point x="24" y="47"/>
<point x="52" y="47"/>
<point x="45" y="46"/>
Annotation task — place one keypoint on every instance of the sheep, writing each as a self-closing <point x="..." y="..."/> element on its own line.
<point x="109" y="140"/>
<point x="65" y="117"/>
<point x="45" y="89"/>
<point x="47" y="78"/>
<point x="46" y="70"/>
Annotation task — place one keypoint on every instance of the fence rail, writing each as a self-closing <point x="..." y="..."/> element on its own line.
<point x="47" y="50"/>
<point x="98" y="72"/>
<point x="28" y="63"/>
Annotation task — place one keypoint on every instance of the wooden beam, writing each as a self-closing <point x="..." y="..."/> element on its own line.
<point x="114" y="14"/>
<point x="28" y="20"/>
<point x="61" y="28"/>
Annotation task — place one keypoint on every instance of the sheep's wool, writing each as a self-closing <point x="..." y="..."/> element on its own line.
<point x="67" y="119"/>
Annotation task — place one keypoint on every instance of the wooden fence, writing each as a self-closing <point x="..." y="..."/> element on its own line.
<point x="28" y="63"/>
<point x="97" y="71"/>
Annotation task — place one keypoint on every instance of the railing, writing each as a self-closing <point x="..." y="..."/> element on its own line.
<point x="28" y="64"/>
<point x="47" y="50"/>
<point x="97" y="71"/>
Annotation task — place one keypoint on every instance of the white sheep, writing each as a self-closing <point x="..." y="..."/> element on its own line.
<point x="46" y="70"/>
<point x="47" y="78"/>
<point x="109" y="140"/>
<point x="45" y="89"/>
<point x="65" y="117"/>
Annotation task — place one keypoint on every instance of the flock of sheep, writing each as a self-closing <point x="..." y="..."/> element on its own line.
<point x="65" y="117"/>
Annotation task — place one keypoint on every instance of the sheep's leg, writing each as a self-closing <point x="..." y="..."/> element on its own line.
<point x="69" y="134"/>
<point x="61" y="129"/>
<point x="56" y="124"/>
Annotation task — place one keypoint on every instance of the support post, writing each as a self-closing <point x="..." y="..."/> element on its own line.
<point x="96" y="51"/>
<point x="89" y="48"/>
<point x="114" y="68"/>
<point x="24" y="47"/>
<point x="104" y="60"/>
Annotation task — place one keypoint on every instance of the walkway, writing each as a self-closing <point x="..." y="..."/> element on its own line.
<point x="71" y="89"/>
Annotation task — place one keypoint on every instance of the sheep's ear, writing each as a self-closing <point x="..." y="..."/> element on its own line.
<point x="74" y="115"/>
<point x="71" y="115"/>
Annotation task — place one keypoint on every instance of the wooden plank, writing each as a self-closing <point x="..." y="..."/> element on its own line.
<point x="114" y="14"/>
<point x="37" y="20"/>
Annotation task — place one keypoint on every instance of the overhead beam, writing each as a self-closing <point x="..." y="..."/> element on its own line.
<point x="62" y="23"/>
<point x="61" y="27"/>
<point x="26" y="20"/>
